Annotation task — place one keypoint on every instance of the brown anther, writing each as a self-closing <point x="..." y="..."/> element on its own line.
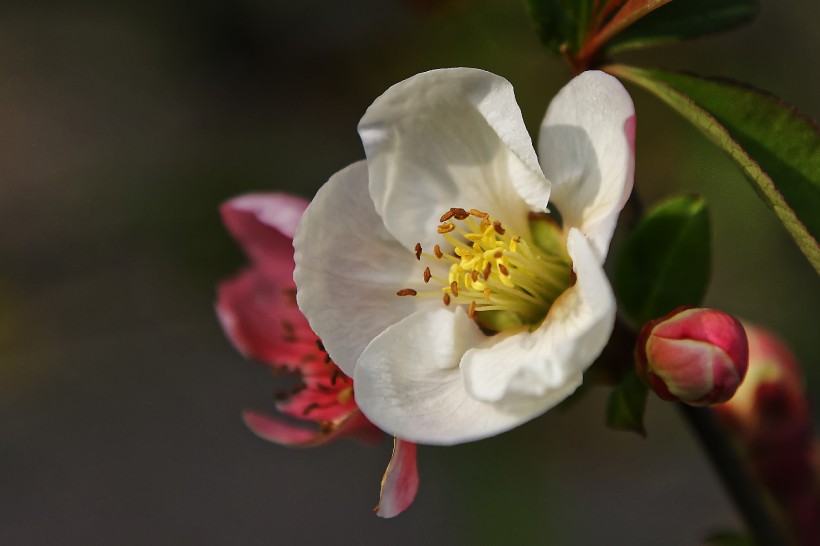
<point x="497" y="227"/>
<point x="471" y="310"/>
<point x="488" y="267"/>
<point x="573" y="278"/>
<point x="479" y="214"/>
<point x="474" y="275"/>
<point x="446" y="228"/>
<point x="446" y="299"/>
<point x="485" y="223"/>
<point x="327" y="427"/>
<point x="427" y="274"/>
<point x="418" y="251"/>
<point x="459" y="213"/>
<point x="503" y="270"/>
<point x="454" y="288"/>
<point x="406" y="292"/>
<point x="309" y="408"/>
<point x="486" y="293"/>
<point x="446" y="216"/>
<point x="437" y="252"/>
<point x="498" y="254"/>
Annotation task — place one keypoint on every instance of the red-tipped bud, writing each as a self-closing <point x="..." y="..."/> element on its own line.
<point x="697" y="356"/>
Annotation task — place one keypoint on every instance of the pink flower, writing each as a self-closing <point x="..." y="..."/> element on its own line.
<point x="771" y="419"/>
<point x="258" y="312"/>
<point x="698" y="356"/>
<point x="770" y="407"/>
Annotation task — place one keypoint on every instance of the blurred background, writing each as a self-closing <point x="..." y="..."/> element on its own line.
<point x="125" y="124"/>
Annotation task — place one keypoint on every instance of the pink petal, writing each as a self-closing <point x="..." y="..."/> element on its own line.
<point x="264" y="225"/>
<point x="261" y="319"/>
<point x="277" y="210"/>
<point x="277" y="431"/>
<point x="284" y="433"/>
<point x="400" y="482"/>
<point x="317" y="405"/>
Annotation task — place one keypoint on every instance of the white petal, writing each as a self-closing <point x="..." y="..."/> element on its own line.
<point x="348" y="268"/>
<point x="450" y="138"/>
<point x="586" y="148"/>
<point x="408" y="383"/>
<point x="548" y="362"/>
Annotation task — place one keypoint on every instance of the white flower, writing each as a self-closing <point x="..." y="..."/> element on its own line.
<point x="501" y="310"/>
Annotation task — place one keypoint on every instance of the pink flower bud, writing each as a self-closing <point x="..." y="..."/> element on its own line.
<point x="770" y="419"/>
<point x="698" y="356"/>
<point x="771" y="407"/>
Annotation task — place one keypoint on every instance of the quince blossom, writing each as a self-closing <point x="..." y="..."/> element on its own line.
<point x="258" y="312"/>
<point x="456" y="279"/>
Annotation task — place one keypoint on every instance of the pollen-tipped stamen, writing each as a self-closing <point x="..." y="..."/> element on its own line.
<point x="491" y="268"/>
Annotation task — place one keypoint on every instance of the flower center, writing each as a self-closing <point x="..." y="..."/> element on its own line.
<point x="504" y="279"/>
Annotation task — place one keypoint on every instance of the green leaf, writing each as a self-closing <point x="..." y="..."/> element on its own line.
<point x="560" y="22"/>
<point x="610" y="19"/>
<point x="777" y="147"/>
<point x="626" y="405"/>
<point x="684" y="19"/>
<point x="665" y="261"/>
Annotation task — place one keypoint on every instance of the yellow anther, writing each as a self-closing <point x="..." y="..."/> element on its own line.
<point x="491" y="269"/>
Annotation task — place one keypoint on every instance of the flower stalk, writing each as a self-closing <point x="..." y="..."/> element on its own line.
<point x="758" y="513"/>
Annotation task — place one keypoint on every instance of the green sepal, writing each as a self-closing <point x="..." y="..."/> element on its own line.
<point x="626" y="405"/>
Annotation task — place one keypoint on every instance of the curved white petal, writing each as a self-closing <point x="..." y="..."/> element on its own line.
<point x="409" y="384"/>
<point x="549" y="362"/>
<point x="586" y="148"/>
<point x="449" y="138"/>
<point x="348" y="268"/>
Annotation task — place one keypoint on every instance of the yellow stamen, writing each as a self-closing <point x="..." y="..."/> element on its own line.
<point x="492" y="270"/>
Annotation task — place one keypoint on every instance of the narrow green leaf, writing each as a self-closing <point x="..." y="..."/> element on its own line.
<point x="777" y="147"/>
<point x="560" y="22"/>
<point x="627" y="14"/>
<point x="683" y="20"/>
<point x="626" y="405"/>
<point x="630" y="12"/>
<point x="665" y="261"/>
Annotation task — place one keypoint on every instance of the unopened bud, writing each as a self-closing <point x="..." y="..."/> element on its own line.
<point x="698" y="356"/>
<point x="770" y="419"/>
<point x="771" y="407"/>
